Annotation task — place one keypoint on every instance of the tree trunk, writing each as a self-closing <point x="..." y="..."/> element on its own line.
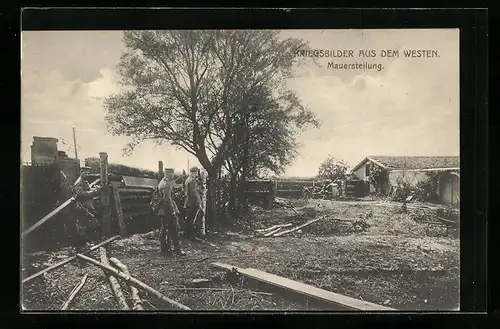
<point x="211" y="196"/>
<point x="244" y="176"/>
<point x="233" y="194"/>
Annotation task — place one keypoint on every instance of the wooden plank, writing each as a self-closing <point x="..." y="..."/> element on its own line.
<point x="75" y="292"/>
<point x="145" y="190"/>
<point x="48" y="216"/>
<point x="329" y="297"/>
<point x="268" y="234"/>
<point x="67" y="260"/>
<point x="299" y="227"/>
<point x="119" y="211"/>
<point x="105" y="195"/>
<point x="273" y="227"/>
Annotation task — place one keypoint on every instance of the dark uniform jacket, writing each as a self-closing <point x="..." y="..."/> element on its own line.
<point x="165" y="190"/>
<point x="84" y="207"/>
<point x="193" y="197"/>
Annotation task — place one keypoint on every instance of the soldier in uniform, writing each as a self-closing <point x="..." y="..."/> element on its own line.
<point x="192" y="203"/>
<point x="86" y="220"/>
<point x="168" y="213"/>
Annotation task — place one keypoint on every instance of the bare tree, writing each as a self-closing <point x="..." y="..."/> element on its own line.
<point x="187" y="88"/>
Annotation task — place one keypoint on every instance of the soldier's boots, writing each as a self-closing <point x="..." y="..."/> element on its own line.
<point x="165" y="250"/>
<point x="168" y="252"/>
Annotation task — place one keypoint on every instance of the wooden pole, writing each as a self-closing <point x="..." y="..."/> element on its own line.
<point x="119" y="210"/>
<point x="105" y="202"/>
<point x="113" y="282"/>
<point x="52" y="213"/>
<point x="74" y="143"/>
<point x="160" y="170"/>
<point x="74" y="293"/>
<point x="133" y="290"/>
<point x="67" y="260"/>
<point x="48" y="216"/>
<point x="203" y="201"/>
<point x="135" y="282"/>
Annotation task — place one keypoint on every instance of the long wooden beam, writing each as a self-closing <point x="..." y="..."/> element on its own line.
<point x="53" y="213"/>
<point x="338" y="300"/>
<point x="48" y="216"/>
<point x="119" y="210"/>
<point x="67" y="260"/>
<point x="75" y="292"/>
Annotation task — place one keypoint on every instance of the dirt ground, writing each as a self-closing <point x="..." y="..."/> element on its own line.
<point x="396" y="262"/>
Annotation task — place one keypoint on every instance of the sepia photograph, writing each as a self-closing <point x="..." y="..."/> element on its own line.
<point x="240" y="170"/>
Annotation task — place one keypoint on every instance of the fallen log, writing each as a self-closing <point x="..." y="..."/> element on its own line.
<point x="135" y="282"/>
<point x="273" y="228"/>
<point x="340" y="301"/>
<point x="299" y="227"/>
<point x="113" y="282"/>
<point x="272" y="232"/>
<point x="67" y="260"/>
<point x="75" y="292"/>
<point x="446" y="220"/>
<point x="133" y="290"/>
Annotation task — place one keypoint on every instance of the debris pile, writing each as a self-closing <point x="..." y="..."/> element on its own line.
<point x="120" y="281"/>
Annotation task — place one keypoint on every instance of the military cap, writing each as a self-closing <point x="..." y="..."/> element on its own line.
<point x="169" y="170"/>
<point x="193" y="169"/>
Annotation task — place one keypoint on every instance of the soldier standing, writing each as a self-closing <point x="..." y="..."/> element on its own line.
<point x="168" y="213"/>
<point x="85" y="213"/>
<point x="192" y="203"/>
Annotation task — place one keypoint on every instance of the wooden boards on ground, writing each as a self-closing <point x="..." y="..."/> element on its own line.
<point x="338" y="300"/>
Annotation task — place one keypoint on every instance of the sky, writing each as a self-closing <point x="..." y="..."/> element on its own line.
<point x="410" y="107"/>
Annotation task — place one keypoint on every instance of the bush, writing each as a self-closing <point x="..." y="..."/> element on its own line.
<point x="378" y="177"/>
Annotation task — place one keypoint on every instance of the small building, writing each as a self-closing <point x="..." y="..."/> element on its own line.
<point x="44" y="150"/>
<point x="411" y="170"/>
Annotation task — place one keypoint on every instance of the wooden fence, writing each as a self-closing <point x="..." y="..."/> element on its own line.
<point x="124" y="200"/>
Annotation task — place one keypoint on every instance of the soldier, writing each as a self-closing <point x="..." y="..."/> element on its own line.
<point x="168" y="213"/>
<point x="85" y="212"/>
<point x="192" y="204"/>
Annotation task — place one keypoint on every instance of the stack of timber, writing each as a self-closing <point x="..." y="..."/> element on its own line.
<point x="131" y="207"/>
